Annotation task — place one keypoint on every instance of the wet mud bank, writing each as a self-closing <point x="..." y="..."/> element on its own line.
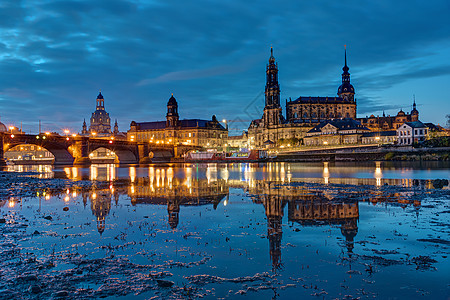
<point x="167" y="238"/>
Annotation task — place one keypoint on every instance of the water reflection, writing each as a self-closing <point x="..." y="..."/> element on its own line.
<point x="176" y="188"/>
<point x="228" y="222"/>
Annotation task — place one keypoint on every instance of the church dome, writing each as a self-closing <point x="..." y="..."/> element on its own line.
<point x="3" y="127"/>
<point x="401" y="113"/>
<point x="172" y="101"/>
<point x="346" y="87"/>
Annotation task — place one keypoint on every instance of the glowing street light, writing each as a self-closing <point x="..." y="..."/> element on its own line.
<point x="66" y="131"/>
<point x="226" y="124"/>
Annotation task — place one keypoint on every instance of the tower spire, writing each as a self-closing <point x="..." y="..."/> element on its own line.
<point x="272" y="109"/>
<point x="271" y="58"/>
<point x="346" y="90"/>
<point x="345" y="54"/>
<point x="345" y="68"/>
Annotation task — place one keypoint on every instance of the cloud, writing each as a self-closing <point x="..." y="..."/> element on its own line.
<point x="56" y="55"/>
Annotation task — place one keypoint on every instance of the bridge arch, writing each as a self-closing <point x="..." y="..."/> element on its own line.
<point x="62" y="156"/>
<point x="125" y="155"/>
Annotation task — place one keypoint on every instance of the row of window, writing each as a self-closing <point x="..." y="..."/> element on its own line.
<point x="416" y="132"/>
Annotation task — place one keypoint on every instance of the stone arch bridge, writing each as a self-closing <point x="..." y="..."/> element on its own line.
<point x="70" y="150"/>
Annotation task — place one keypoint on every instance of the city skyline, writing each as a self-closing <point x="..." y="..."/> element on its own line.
<point x="55" y="57"/>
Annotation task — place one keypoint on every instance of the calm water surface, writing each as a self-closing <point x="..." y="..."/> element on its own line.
<point x="276" y="230"/>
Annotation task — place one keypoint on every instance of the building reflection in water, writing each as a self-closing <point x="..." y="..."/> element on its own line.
<point x="177" y="187"/>
<point x="164" y="189"/>
<point x="306" y="207"/>
<point x="326" y="172"/>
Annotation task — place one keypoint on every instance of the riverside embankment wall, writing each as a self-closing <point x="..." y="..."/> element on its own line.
<point x="366" y="154"/>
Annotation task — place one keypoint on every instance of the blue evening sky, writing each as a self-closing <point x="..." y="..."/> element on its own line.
<point x="56" y="55"/>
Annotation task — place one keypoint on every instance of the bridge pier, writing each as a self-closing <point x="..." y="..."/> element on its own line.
<point x="2" y="157"/>
<point x="143" y="152"/>
<point x="82" y="159"/>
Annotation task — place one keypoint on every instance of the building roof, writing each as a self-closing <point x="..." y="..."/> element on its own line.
<point x="172" y="101"/>
<point x="186" y="123"/>
<point x="431" y="126"/>
<point x="340" y="124"/>
<point x="416" y="124"/>
<point x="324" y="100"/>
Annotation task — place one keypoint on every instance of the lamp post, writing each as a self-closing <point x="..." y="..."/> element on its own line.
<point x="226" y="123"/>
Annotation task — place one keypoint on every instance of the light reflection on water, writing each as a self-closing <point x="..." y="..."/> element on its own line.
<point x="253" y="218"/>
<point x="375" y="173"/>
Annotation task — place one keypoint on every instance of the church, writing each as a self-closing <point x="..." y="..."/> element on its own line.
<point x="302" y="114"/>
<point x="100" y="122"/>
<point x="305" y="113"/>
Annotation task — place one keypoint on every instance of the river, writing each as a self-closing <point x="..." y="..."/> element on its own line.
<point x="273" y="230"/>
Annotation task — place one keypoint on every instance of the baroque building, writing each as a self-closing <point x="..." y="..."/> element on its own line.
<point x="385" y="123"/>
<point x="303" y="113"/>
<point x="100" y="122"/>
<point x="196" y="132"/>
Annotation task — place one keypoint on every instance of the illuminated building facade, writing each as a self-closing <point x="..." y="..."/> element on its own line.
<point x="335" y="132"/>
<point x="412" y="132"/>
<point x="28" y="152"/>
<point x="302" y="114"/>
<point x="196" y="132"/>
<point x="386" y="123"/>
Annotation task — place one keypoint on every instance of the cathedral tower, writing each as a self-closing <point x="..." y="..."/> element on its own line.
<point x="172" y="113"/>
<point x="346" y="90"/>
<point x="272" y="110"/>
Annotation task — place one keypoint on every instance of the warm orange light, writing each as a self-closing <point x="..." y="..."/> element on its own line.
<point x="74" y="134"/>
<point x="47" y="133"/>
<point x="67" y="138"/>
<point x="110" y="142"/>
<point x="12" y="135"/>
<point x="11" y="203"/>
<point x="66" y="131"/>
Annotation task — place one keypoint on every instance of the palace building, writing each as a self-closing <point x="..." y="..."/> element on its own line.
<point x="385" y="123"/>
<point x="303" y="113"/>
<point x="196" y="132"/>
